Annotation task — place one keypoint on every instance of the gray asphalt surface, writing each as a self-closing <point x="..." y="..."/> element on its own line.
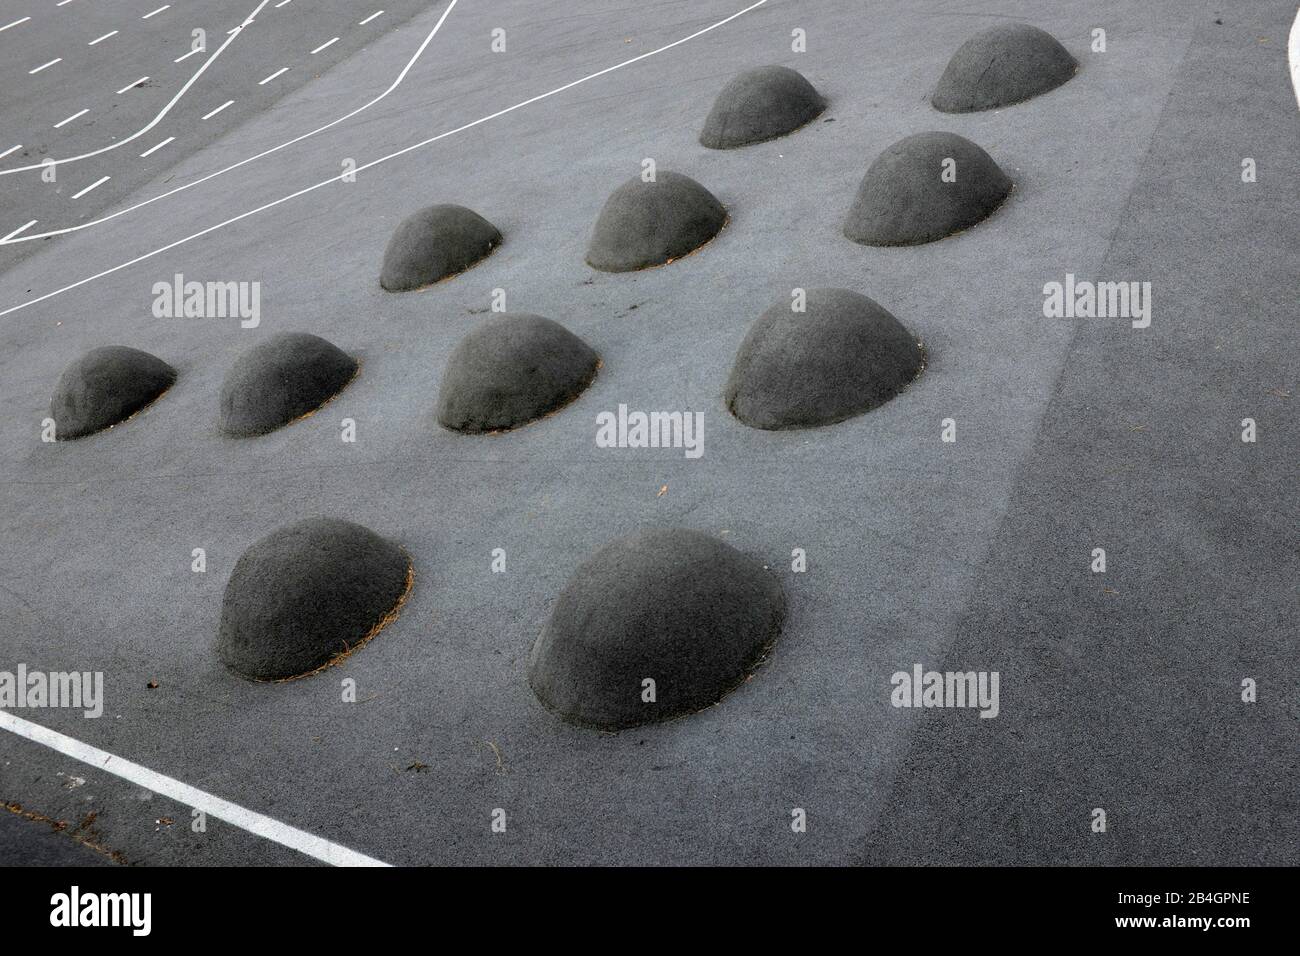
<point x="1071" y="434"/>
<point x="99" y="78"/>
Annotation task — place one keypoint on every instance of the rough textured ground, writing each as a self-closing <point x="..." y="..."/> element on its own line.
<point x="1119" y="690"/>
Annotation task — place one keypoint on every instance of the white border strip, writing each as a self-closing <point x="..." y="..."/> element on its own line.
<point x="255" y="823"/>
<point x="374" y="162"/>
<point x="1293" y="56"/>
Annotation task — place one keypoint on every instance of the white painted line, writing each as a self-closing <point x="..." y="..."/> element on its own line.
<point x="282" y="3"/>
<point x="327" y="43"/>
<point x="18" y="230"/>
<point x="154" y="149"/>
<point x="1293" y="55"/>
<point x="111" y="33"/>
<point x="156" y="12"/>
<point x="157" y="119"/>
<point x="217" y="110"/>
<point x="283" y="69"/>
<point x="98" y="182"/>
<point x="44" y="65"/>
<point x="317" y="848"/>
<point x="11" y="149"/>
<point x="14" y="24"/>
<point x="377" y="13"/>
<point x="266" y="152"/>
<point x="187" y="55"/>
<point x="71" y="118"/>
<point x="130" y="85"/>
<point x="383" y="159"/>
<point x="62" y="2"/>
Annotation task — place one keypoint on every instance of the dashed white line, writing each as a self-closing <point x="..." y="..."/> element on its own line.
<point x="267" y="828"/>
<point x="18" y="230"/>
<point x="157" y="119"/>
<point x="244" y="162"/>
<point x="57" y="59"/>
<point x="382" y="159"/>
<point x="156" y="12"/>
<point x="110" y="33"/>
<point x="14" y="24"/>
<point x="362" y="23"/>
<point x="71" y="118"/>
<point x="217" y="110"/>
<point x="327" y="43"/>
<point x="62" y="3"/>
<point x="397" y="81"/>
<point x="283" y="69"/>
<point x="98" y="182"/>
<point x="131" y="85"/>
<point x="282" y="3"/>
<point x="11" y="149"/>
<point x="154" y="149"/>
<point x="188" y="55"/>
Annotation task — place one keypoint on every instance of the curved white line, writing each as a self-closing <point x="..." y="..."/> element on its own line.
<point x="157" y="119"/>
<point x="244" y="162"/>
<point x="376" y="162"/>
<point x="1293" y="56"/>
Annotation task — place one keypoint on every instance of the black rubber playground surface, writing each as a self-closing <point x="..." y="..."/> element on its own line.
<point x="1120" y="691"/>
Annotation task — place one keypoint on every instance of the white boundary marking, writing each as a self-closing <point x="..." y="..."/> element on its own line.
<point x="254" y="823"/>
<point x="217" y="110"/>
<point x="266" y="152"/>
<point x="38" y="69"/>
<point x="65" y="122"/>
<point x="14" y="24"/>
<point x="11" y="149"/>
<point x="157" y="119"/>
<point x="155" y="148"/>
<point x="362" y="23"/>
<point x="98" y="182"/>
<point x="111" y="33"/>
<point x="325" y="46"/>
<point x="283" y="69"/>
<point x="375" y="162"/>
<point x="1293" y="55"/>
<point x="21" y="228"/>
<point x="129" y="85"/>
<point x="156" y="12"/>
